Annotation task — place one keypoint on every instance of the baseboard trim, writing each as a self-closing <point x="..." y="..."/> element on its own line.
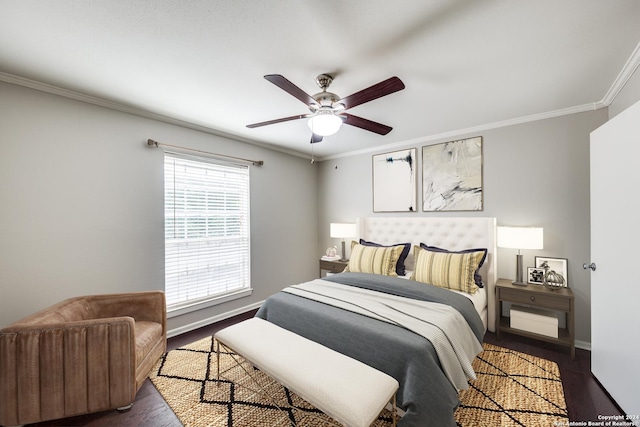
<point x="585" y="345"/>
<point x="210" y="320"/>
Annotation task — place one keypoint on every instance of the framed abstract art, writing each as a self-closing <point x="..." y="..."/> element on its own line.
<point x="395" y="181"/>
<point x="452" y="176"/>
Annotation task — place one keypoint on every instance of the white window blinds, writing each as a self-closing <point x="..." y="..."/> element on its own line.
<point x="206" y="230"/>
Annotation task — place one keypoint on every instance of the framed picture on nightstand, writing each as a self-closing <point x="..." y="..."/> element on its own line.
<point x="535" y="275"/>
<point x="559" y="265"/>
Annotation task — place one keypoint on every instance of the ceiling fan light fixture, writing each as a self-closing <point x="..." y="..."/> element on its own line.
<point x="325" y="123"/>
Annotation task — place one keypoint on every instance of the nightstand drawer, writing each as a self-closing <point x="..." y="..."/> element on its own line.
<point x="333" y="266"/>
<point x="534" y="298"/>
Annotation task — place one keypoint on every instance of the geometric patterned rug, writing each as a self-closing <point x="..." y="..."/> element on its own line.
<point x="511" y="389"/>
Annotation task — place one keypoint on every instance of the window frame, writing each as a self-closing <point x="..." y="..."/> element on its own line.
<point x="186" y="306"/>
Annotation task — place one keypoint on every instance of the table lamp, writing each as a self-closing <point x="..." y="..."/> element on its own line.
<point x="341" y="231"/>
<point x="519" y="238"/>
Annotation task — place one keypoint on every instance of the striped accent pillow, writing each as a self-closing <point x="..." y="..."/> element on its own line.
<point x="373" y="259"/>
<point x="447" y="269"/>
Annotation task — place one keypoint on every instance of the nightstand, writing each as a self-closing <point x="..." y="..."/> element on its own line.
<point x="540" y="297"/>
<point x="332" y="267"/>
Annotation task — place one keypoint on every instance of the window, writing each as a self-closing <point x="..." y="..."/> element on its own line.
<point x="206" y="216"/>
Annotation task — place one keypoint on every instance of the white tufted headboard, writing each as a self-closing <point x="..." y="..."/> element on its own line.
<point x="453" y="233"/>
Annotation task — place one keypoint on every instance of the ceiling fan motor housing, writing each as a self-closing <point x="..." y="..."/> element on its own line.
<point x="325" y="99"/>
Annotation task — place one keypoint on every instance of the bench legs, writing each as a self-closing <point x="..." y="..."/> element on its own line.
<point x="238" y="363"/>
<point x="218" y="360"/>
<point x="394" y="411"/>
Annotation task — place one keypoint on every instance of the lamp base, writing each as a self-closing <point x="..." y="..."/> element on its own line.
<point x="343" y="258"/>
<point x="519" y="270"/>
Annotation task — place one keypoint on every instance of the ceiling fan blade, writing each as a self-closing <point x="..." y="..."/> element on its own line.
<point x="315" y="138"/>
<point x="366" y="124"/>
<point x="386" y="87"/>
<point x="290" y="88"/>
<point x="284" y="119"/>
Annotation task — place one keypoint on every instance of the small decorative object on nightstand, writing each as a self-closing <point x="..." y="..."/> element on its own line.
<point x="552" y="280"/>
<point x="539" y="299"/>
<point x="331" y="253"/>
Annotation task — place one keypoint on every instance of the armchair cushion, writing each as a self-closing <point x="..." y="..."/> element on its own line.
<point x="82" y="355"/>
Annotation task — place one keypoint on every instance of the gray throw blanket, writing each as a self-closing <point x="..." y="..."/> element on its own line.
<point x="443" y="325"/>
<point x="426" y="394"/>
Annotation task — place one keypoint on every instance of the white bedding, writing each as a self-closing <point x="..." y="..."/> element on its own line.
<point x="479" y="300"/>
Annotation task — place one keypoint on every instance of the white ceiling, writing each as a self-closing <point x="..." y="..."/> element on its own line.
<point x="467" y="65"/>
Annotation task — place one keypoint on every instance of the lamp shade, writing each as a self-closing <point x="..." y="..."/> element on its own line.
<point x="520" y="237"/>
<point x="340" y="230"/>
<point x="325" y="123"/>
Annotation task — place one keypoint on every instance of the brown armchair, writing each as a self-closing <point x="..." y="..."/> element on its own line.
<point x="83" y="355"/>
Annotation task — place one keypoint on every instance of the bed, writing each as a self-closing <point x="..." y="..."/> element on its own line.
<point x="453" y="233"/>
<point x="428" y="393"/>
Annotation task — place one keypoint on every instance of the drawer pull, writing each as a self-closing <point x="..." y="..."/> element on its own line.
<point x="532" y="298"/>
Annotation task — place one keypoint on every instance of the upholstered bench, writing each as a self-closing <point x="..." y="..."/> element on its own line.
<point x="345" y="389"/>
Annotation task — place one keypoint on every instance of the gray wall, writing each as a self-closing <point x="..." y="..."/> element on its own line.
<point x="82" y="201"/>
<point x="82" y="206"/>
<point x="535" y="174"/>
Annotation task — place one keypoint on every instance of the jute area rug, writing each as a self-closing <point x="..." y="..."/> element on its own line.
<point x="512" y="389"/>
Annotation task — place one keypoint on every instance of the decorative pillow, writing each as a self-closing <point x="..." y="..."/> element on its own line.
<point x="372" y="259"/>
<point x="477" y="277"/>
<point x="400" y="268"/>
<point x="447" y="269"/>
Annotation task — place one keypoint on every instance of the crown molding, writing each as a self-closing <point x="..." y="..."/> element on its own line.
<point x="129" y="109"/>
<point x="625" y="74"/>
<point x="471" y="130"/>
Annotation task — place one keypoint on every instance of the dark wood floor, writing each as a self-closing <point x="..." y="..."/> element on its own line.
<point x="585" y="398"/>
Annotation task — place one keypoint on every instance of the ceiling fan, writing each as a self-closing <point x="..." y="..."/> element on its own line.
<point x="328" y="109"/>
